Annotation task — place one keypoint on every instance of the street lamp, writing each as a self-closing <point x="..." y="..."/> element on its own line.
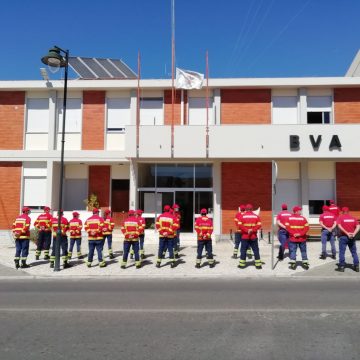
<point x="58" y="58"/>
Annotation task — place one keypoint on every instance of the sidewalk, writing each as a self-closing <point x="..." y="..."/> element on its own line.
<point x="226" y="267"/>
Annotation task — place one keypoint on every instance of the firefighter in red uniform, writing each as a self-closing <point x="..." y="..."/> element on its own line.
<point x="327" y="221"/>
<point x="166" y="224"/>
<point x="141" y="222"/>
<point x="348" y="228"/>
<point x="75" y="227"/>
<point x="283" y="235"/>
<point x="297" y="226"/>
<point x="204" y="229"/>
<point x="334" y="209"/>
<point x="131" y="231"/>
<point x="21" y="232"/>
<point x="64" y="225"/>
<point x="177" y="215"/>
<point x="94" y="227"/>
<point x="109" y="225"/>
<point x="249" y="226"/>
<point x="237" y="221"/>
<point x="43" y="225"/>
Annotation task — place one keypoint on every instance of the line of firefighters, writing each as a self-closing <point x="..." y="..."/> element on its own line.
<point x="292" y="233"/>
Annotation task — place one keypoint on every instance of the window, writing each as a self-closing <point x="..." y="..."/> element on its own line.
<point x="146" y="175"/>
<point x="319" y="192"/>
<point x="73" y="115"/>
<point x="319" y="109"/>
<point x="285" y="110"/>
<point x="197" y="111"/>
<point x="118" y="114"/>
<point x="76" y="191"/>
<point x="203" y="200"/>
<point x="151" y="111"/>
<point x="35" y="192"/>
<point x="37" y="114"/>
<point x="203" y="175"/>
<point x="174" y="175"/>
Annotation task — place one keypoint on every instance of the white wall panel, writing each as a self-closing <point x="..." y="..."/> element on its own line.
<point x="115" y="141"/>
<point x="72" y="142"/>
<point x="318" y="170"/>
<point x="288" y="170"/>
<point x="78" y="171"/>
<point x="36" y="141"/>
<point x="120" y="172"/>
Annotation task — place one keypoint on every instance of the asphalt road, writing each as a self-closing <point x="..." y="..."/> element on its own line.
<point x="182" y="319"/>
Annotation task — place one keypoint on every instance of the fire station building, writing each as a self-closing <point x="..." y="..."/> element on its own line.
<point x="309" y="128"/>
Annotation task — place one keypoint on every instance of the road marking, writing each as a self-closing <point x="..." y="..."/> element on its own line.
<point x="321" y="312"/>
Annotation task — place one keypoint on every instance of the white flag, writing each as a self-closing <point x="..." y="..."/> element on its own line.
<point x="186" y="79"/>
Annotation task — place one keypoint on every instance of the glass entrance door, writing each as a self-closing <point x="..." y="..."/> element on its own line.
<point x="164" y="198"/>
<point x="185" y="199"/>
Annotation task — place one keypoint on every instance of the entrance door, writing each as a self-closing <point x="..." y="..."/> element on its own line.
<point x="185" y="199"/>
<point x="120" y="199"/>
<point x="164" y="198"/>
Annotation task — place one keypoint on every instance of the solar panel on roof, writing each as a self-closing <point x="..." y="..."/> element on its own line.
<point x="123" y="68"/>
<point x="111" y="68"/>
<point x="96" y="68"/>
<point x="80" y="68"/>
<point x="99" y="68"/>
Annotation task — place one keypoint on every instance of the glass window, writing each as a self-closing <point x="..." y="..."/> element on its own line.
<point x="118" y="114"/>
<point x="175" y="175"/>
<point x="203" y="199"/>
<point x="203" y="175"/>
<point x="73" y="115"/>
<point x="146" y="174"/>
<point x="318" y="117"/>
<point x="151" y="111"/>
<point x="37" y="116"/>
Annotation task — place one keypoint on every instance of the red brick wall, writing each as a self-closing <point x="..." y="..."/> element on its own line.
<point x="10" y="185"/>
<point x="168" y="106"/>
<point x="243" y="183"/>
<point x="12" y="107"/>
<point x="347" y="105"/>
<point x="347" y="186"/>
<point x="99" y="183"/>
<point x="93" y="121"/>
<point x="246" y="106"/>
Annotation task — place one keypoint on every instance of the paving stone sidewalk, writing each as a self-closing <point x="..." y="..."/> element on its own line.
<point x="225" y="265"/>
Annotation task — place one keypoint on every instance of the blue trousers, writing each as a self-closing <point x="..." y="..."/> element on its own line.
<point x="98" y="245"/>
<point x="21" y="249"/>
<point x="63" y="248"/>
<point x="283" y="237"/>
<point x="78" y="244"/>
<point x="109" y="242"/>
<point x="237" y="241"/>
<point x="127" y="246"/>
<point x="253" y="244"/>
<point x="43" y="242"/>
<point x="326" y="236"/>
<point x="293" y="248"/>
<point x="344" y="241"/>
<point x="207" y="244"/>
<point x="166" y="243"/>
<point x="141" y="239"/>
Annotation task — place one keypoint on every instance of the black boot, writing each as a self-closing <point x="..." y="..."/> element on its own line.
<point x="281" y="254"/>
<point x="111" y="256"/>
<point x="322" y="257"/>
<point x="356" y="268"/>
<point x="341" y="268"/>
<point x="24" y="265"/>
<point x="17" y="264"/>
<point x="172" y="265"/>
<point x="66" y="265"/>
<point x="51" y="264"/>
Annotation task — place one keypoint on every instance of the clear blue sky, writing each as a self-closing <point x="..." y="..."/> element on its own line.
<point x="245" y="38"/>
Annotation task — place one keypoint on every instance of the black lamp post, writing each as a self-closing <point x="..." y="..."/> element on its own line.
<point x="57" y="58"/>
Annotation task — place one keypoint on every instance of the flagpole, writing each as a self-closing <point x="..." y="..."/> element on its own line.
<point x="207" y="103"/>
<point x="172" y="73"/>
<point x="138" y="109"/>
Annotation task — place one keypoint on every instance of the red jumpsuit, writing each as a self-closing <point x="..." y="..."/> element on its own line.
<point x="64" y="226"/>
<point x="166" y="224"/>
<point x="131" y="230"/>
<point x="75" y="227"/>
<point x="204" y="229"/>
